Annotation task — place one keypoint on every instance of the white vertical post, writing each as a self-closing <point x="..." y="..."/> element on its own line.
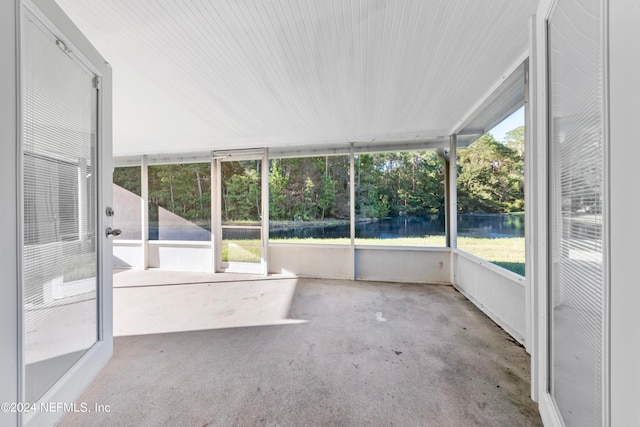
<point x="216" y="212"/>
<point x="447" y="210"/>
<point x="453" y="191"/>
<point x="452" y="206"/>
<point x="144" y="210"/>
<point x="529" y="203"/>
<point x="212" y="214"/>
<point x="352" y="209"/>
<point x="537" y="153"/>
<point x="265" y="212"/>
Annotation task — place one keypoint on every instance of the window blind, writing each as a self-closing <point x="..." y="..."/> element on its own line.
<point x="576" y="210"/>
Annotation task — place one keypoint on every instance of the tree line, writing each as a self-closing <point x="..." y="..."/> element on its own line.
<point x="490" y="180"/>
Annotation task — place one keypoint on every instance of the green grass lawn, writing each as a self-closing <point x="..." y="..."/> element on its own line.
<point x="507" y="253"/>
<point x="241" y="251"/>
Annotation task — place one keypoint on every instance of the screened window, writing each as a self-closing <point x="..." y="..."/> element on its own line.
<point x="491" y="195"/>
<point x="399" y="198"/>
<point x="309" y="200"/>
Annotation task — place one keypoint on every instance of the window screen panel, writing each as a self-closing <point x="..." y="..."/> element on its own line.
<point x="576" y="210"/>
<point x="59" y="211"/>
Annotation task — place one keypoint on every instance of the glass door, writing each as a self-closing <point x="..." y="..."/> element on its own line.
<point x="241" y="216"/>
<point x="59" y="178"/>
<point x="577" y="213"/>
<point x="65" y="253"/>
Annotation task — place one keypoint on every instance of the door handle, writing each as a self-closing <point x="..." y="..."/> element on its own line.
<point x="112" y="232"/>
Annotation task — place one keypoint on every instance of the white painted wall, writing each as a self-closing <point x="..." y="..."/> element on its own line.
<point x="128" y="254"/>
<point x="499" y="293"/>
<point x="377" y="263"/>
<point x="411" y="265"/>
<point x="624" y="150"/>
<point x="181" y="256"/>
<point x="322" y="261"/>
<point x="164" y="254"/>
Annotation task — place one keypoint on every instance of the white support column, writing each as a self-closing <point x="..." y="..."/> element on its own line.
<point x="530" y="203"/>
<point x="352" y="209"/>
<point x="447" y="190"/>
<point x="265" y="212"/>
<point x="452" y="205"/>
<point x="212" y="214"/>
<point x="537" y="155"/>
<point x="144" y="210"/>
<point x="453" y="192"/>
<point x="216" y="212"/>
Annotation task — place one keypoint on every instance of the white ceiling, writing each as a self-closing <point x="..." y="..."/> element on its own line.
<point x="201" y="75"/>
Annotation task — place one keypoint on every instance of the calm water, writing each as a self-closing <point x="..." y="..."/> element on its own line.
<point x="473" y="225"/>
<point x="493" y="226"/>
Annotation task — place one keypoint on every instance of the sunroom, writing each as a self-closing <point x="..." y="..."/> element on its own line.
<point x="281" y="113"/>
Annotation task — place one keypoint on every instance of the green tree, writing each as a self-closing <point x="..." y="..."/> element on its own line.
<point x="241" y="193"/>
<point x="278" y="183"/>
<point x="490" y="177"/>
<point x="326" y="195"/>
<point x="184" y="189"/>
<point x="128" y="178"/>
<point x="308" y="206"/>
<point x="515" y="140"/>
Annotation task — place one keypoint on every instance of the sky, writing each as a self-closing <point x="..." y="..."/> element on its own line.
<point x="510" y="123"/>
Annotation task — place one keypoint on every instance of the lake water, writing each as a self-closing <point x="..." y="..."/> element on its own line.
<point x="473" y="225"/>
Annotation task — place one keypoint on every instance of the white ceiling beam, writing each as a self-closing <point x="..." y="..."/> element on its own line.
<point x="490" y="96"/>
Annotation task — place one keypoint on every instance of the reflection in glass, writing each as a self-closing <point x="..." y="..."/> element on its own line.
<point x="127" y="202"/>
<point x="180" y="202"/>
<point x="59" y="178"/>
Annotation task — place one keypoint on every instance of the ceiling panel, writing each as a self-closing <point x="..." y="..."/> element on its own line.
<point x="199" y="75"/>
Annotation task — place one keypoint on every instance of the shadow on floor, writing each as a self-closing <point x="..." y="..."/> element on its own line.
<point x="369" y="354"/>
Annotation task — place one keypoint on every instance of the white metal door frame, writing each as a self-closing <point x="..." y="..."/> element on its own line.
<point x="539" y="245"/>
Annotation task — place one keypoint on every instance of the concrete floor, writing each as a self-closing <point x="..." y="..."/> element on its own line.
<point x="325" y="353"/>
